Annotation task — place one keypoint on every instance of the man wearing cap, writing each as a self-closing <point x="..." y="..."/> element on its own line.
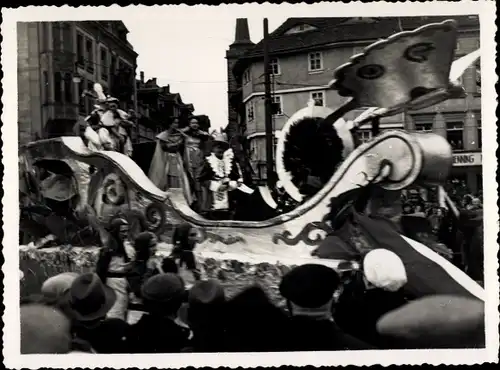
<point x="220" y="176"/>
<point x="157" y="330"/>
<point x="309" y="290"/>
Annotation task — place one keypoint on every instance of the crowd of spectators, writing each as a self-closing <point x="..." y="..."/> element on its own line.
<point x="325" y="310"/>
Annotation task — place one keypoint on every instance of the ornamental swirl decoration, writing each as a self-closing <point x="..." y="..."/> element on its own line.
<point x="304" y="235"/>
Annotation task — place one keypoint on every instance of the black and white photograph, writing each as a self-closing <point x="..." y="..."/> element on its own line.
<point x="250" y="185"/>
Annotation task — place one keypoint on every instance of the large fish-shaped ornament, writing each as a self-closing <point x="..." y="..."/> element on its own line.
<point x="410" y="70"/>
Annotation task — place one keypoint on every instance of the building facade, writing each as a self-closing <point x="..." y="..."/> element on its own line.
<point x="304" y="53"/>
<point x="157" y="106"/>
<point x="58" y="61"/>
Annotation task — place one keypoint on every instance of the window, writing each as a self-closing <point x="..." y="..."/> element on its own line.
<point x="80" y="50"/>
<point x="246" y="76"/>
<point x="423" y="127"/>
<point x="250" y="112"/>
<point x="315" y="61"/>
<point x="89" y="49"/>
<point x="67" y="37"/>
<point x="274" y="66"/>
<point x="57" y="38"/>
<point x="81" y="98"/>
<point x="46" y="86"/>
<point x="454" y="134"/>
<point x="112" y="65"/>
<point x="300" y="28"/>
<point x="364" y="135"/>
<point x="57" y="87"/>
<point x="319" y="98"/>
<point x="68" y="88"/>
<point x="45" y="36"/>
<point x="104" y="64"/>
<point x="88" y="100"/>
<point x="277" y="105"/>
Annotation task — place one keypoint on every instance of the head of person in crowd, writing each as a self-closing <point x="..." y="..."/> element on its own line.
<point x="476" y="203"/>
<point x="185" y="236"/>
<point x="163" y="295"/>
<point x="88" y="300"/>
<point x="44" y="330"/>
<point x="439" y="211"/>
<point x="309" y="290"/>
<point x="119" y="229"/>
<point x="383" y="269"/>
<point x="206" y="303"/>
<point x="254" y="323"/>
<point x="419" y="208"/>
<point x="407" y="209"/>
<point x="56" y="287"/>
<point x="145" y="245"/>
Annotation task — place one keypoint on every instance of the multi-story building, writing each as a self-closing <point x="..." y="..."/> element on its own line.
<point x="304" y="52"/>
<point x="157" y="107"/>
<point x="58" y="61"/>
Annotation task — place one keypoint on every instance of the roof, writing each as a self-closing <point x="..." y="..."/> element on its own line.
<point x="334" y="30"/>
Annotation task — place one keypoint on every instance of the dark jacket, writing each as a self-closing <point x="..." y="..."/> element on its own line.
<point x="358" y="311"/>
<point x="309" y="334"/>
<point x="108" y="336"/>
<point x="156" y="334"/>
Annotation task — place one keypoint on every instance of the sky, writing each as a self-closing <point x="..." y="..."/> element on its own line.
<point x="189" y="55"/>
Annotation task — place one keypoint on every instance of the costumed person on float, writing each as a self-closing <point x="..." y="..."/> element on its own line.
<point x="221" y="176"/>
<point x="108" y="125"/>
<point x="167" y="167"/>
<point x="194" y="159"/>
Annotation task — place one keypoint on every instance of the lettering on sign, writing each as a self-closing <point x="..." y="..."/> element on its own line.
<point x="467" y="159"/>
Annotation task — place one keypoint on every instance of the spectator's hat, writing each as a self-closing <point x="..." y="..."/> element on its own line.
<point x="89" y="299"/>
<point x="44" y="330"/>
<point x="57" y="286"/>
<point x="310" y="285"/>
<point x="163" y="288"/>
<point x="384" y="269"/>
<point x="206" y="300"/>
<point x="206" y="292"/>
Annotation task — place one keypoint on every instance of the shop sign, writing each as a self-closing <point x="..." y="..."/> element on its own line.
<point x="467" y="159"/>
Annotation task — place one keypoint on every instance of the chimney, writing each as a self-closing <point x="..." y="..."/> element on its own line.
<point x="142" y="77"/>
<point x="242" y="33"/>
<point x="154" y="81"/>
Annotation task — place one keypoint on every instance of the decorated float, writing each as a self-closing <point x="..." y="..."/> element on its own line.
<point x="406" y="72"/>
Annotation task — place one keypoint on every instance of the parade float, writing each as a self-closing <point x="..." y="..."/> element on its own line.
<point x="406" y="72"/>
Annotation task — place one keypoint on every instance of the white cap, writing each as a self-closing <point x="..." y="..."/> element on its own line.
<point x="385" y="270"/>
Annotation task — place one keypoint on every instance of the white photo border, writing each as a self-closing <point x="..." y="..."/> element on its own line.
<point x="11" y="332"/>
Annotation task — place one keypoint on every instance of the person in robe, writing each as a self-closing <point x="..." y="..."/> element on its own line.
<point x="220" y="176"/>
<point x="113" y="132"/>
<point x="108" y="126"/>
<point x="194" y="159"/>
<point x="167" y="167"/>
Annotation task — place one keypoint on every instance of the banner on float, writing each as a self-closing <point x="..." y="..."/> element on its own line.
<point x="467" y="159"/>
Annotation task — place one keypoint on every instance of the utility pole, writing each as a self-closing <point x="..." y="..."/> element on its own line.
<point x="268" y="107"/>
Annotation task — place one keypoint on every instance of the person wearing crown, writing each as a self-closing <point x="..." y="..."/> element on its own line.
<point x="220" y="176"/>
